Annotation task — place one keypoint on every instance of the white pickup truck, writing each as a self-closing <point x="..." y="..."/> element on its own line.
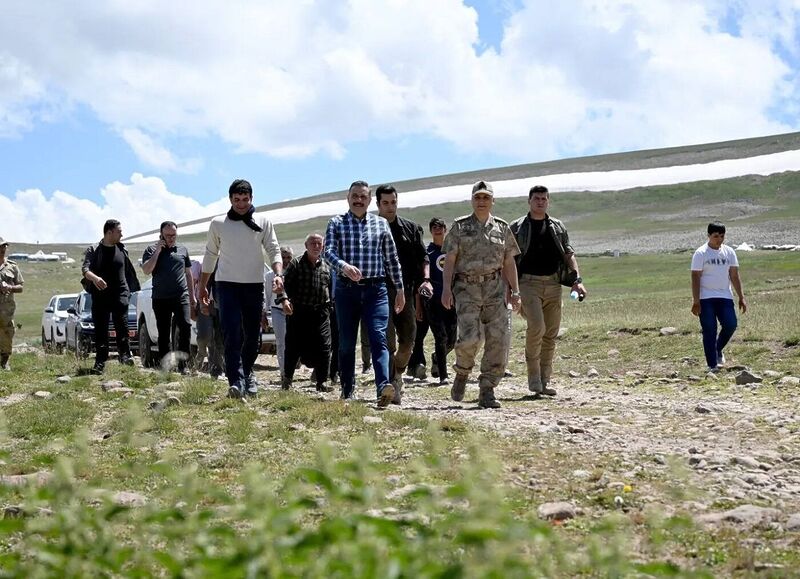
<point x="148" y="332"/>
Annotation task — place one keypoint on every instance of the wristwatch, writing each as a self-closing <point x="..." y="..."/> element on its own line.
<point x="514" y="294"/>
<point x="578" y="279"/>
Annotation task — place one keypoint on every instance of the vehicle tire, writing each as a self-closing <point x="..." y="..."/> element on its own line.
<point x="145" y="346"/>
<point x="56" y="346"/>
<point x="83" y="346"/>
<point x="45" y="345"/>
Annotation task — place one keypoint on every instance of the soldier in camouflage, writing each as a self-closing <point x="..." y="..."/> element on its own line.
<point x="480" y="252"/>
<point x="10" y="283"/>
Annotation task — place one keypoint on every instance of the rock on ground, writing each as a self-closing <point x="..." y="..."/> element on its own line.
<point x="559" y="511"/>
<point x="748" y="515"/>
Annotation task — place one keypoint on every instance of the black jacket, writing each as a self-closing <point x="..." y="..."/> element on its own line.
<point x="411" y="251"/>
<point x="91" y="262"/>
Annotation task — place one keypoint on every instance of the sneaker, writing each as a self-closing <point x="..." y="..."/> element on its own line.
<point x="420" y="372"/>
<point x="434" y="371"/>
<point x="720" y="359"/>
<point x="126" y="360"/>
<point x="386" y="396"/>
<point x="444" y="380"/>
<point x="486" y="398"/>
<point x="98" y="368"/>
<point x="459" y="387"/>
<point x="324" y="387"/>
<point x="286" y="383"/>
<point x="366" y="369"/>
<point x="251" y="386"/>
<point x="713" y="370"/>
<point x="346" y="394"/>
<point x="508" y="374"/>
<point x="233" y="392"/>
<point x="535" y="385"/>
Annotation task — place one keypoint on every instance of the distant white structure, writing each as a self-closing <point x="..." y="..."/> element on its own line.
<point x="42" y="256"/>
<point x="744" y="247"/>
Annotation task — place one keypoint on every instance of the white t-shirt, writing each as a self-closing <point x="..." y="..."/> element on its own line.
<point x="715" y="281"/>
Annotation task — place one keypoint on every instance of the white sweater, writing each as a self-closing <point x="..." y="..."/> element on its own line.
<point x="240" y="250"/>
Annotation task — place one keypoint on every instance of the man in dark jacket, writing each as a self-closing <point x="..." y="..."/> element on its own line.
<point x="545" y="252"/>
<point x="402" y="330"/>
<point x="109" y="276"/>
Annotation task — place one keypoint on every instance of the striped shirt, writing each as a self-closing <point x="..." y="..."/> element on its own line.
<point x="363" y="243"/>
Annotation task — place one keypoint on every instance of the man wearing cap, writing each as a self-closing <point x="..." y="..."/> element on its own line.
<point x="544" y="251"/>
<point x="442" y="321"/>
<point x="402" y="329"/>
<point x="360" y="250"/>
<point x="11" y="283"/>
<point x="480" y="252"/>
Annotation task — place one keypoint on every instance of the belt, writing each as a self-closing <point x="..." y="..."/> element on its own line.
<point x="478" y="278"/>
<point x="551" y="277"/>
<point x="364" y="281"/>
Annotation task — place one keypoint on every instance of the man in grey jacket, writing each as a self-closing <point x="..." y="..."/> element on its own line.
<point x="545" y="252"/>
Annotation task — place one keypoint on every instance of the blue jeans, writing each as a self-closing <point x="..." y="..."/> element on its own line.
<point x="711" y="310"/>
<point x="240" y="306"/>
<point x="370" y="303"/>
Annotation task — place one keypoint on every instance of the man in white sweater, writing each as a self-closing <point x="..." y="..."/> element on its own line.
<point x="236" y="245"/>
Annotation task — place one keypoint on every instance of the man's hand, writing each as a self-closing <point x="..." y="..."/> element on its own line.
<point x="516" y="300"/>
<point x="277" y="285"/>
<point x="288" y="309"/>
<point x="447" y="298"/>
<point x="352" y="272"/>
<point x="99" y="282"/>
<point x="580" y="288"/>
<point x="696" y="308"/>
<point x="193" y="311"/>
<point x="399" y="302"/>
<point x="742" y="305"/>
<point x="204" y="302"/>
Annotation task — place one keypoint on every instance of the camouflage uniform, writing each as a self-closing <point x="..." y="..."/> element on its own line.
<point x="479" y="294"/>
<point x="10" y="275"/>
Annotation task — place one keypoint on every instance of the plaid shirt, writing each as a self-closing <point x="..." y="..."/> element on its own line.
<point x="307" y="284"/>
<point x="364" y="243"/>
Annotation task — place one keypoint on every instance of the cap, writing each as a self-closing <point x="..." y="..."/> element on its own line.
<point x="438" y="222"/>
<point x="482" y="187"/>
<point x="3" y="241"/>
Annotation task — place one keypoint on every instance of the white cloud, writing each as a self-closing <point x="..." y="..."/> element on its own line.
<point x="30" y="216"/>
<point x="156" y="156"/>
<point x="293" y="79"/>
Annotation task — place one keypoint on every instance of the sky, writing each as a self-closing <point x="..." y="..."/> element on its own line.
<point x="144" y="111"/>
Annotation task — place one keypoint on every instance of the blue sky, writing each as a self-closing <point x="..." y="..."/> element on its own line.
<point x="146" y="111"/>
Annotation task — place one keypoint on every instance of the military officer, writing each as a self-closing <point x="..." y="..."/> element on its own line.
<point x="10" y="283"/>
<point x="480" y="262"/>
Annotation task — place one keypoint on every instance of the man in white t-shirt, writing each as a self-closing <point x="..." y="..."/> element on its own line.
<point x="715" y="269"/>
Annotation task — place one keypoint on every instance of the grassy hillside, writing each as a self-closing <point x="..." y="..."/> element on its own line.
<point x="757" y="210"/>
<point x="691" y="154"/>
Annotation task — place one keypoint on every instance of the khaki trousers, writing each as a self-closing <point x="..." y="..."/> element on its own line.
<point x="541" y="303"/>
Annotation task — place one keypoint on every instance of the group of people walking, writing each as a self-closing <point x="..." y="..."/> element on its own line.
<point x="375" y="272"/>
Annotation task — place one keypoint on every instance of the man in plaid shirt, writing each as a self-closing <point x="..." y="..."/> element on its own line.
<point x="360" y="250"/>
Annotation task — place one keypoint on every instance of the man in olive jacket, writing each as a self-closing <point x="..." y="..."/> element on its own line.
<point x="110" y="277"/>
<point x="545" y="252"/>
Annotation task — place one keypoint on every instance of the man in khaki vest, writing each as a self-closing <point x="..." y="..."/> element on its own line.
<point x="10" y="283"/>
<point x="480" y="252"/>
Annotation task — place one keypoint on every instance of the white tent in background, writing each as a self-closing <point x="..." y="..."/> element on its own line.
<point x="744" y="247"/>
<point x="42" y="256"/>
